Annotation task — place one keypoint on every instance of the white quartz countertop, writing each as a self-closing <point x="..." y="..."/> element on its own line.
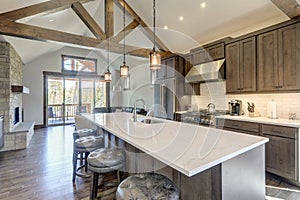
<point x="190" y="149"/>
<point x="264" y="120"/>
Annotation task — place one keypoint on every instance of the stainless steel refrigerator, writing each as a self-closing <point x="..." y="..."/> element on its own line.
<point x="165" y="98"/>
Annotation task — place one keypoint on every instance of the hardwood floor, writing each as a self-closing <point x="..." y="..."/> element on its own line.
<point x="44" y="171"/>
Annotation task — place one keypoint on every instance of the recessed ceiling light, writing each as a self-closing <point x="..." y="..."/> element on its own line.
<point x="166" y="27"/>
<point x="51" y="20"/>
<point x="203" y="5"/>
<point x="181" y="18"/>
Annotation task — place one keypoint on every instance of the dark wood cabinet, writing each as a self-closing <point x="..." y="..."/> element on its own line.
<point x="241" y="66"/>
<point x="190" y="88"/>
<point x="238" y="126"/>
<point x="281" y="151"/>
<point x="279" y="59"/>
<point x="171" y="67"/>
<point x="206" y="54"/>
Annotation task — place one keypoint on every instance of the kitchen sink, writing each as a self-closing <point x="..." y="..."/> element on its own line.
<point x="149" y="121"/>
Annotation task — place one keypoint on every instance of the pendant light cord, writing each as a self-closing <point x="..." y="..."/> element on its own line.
<point x="124" y="33"/>
<point x="154" y="36"/>
<point x="108" y="48"/>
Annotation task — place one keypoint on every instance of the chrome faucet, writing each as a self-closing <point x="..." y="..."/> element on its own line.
<point x="134" y="108"/>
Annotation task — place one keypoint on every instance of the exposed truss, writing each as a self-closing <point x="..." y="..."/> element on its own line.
<point x="9" y="26"/>
<point x="290" y="7"/>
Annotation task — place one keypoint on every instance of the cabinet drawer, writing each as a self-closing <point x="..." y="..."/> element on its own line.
<point x="240" y="125"/>
<point x="280" y="131"/>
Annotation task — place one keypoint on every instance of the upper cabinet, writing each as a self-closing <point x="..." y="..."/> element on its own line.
<point x="171" y="67"/>
<point x="241" y="66"/>
<point x="279" y="59"/>
<point x="206" y="54"/>
<point x="190" y="88"/>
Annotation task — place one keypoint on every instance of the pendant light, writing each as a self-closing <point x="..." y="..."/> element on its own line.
<point x="154" y="56"/>
<point x="107" y="74"/>
<point x="124" y="69"/>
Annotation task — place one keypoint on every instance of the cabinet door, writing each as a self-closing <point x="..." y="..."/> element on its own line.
<point x="190" y="88"/>
<point x="241" y="66"/>
<point x="216" y="52"/>
<point x="161" y="73"/>
<point x="247" y="67"/>
<point x="267" y="61"/>
<point x="281" y="157"/>
<point x="200" y="56"/>
<point x="232" y="67"/>
<point x="170" y="64"/>
<point x="288" y="67"/>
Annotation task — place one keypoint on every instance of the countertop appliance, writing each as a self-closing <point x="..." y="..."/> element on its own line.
<point x="1" y="132"/>
<point x="164" y="98"/>
<point x="201" y="117"/>
<point x="235" y="107"/>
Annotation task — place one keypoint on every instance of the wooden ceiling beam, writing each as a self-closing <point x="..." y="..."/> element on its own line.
<point x="16" y="29"/>
<point x="43" y="34"/>
<point x="148" y="32"/>
<point x="128" y="29"/>
<point x="109" y="18"/>
<point x="88" y="20"/>
<point x="38" y="8"/>
<point x="290" y="7"/>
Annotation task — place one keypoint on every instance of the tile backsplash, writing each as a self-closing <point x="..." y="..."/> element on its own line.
<point x="215" y="92"/>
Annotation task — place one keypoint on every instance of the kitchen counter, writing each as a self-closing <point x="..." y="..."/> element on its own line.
<point x="203" y="162"/>
<point x="264" y="120"/>
<point x="188" y="148"/>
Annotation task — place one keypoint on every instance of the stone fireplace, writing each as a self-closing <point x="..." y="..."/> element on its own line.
<point x="10" y="102"/>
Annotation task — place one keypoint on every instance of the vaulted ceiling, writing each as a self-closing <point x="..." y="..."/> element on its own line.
<point x="199" y="25"/>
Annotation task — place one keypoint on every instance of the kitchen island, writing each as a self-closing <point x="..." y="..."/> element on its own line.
<point x="205" y="163"/>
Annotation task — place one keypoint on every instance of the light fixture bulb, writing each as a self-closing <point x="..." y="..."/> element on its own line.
<point x="166" y="27"/>
<point x="124" y="70"/>
<point x="203" y="5"/>
<point x="107" y="76"/>
<point x="155" y="60"/>
<point x="181" y="18"/>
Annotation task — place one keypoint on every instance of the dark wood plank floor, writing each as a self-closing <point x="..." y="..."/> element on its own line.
<point x="44" y="171"/>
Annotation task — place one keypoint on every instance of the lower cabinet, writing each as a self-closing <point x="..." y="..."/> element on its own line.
<point x="282" y="152"/>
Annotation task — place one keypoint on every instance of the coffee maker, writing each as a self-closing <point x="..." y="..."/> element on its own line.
<point x="235" y="107"/>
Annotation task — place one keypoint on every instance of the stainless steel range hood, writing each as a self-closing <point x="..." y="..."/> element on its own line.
<point x="206" y="72"/>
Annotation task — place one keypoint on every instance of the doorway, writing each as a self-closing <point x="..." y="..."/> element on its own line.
<point x="67" y="96"/>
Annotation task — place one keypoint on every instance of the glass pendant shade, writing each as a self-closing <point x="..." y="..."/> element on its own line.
<point x="155" y="60"/>
<point x="107" y="76"/>
<point x="124" y="70"/>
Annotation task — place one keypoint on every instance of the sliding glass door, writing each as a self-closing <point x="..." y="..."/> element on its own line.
<point x="67" y="96"/>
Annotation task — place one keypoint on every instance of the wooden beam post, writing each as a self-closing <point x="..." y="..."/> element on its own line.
<point x="109" y="18"/>
<point x="290" y="7"/>
<point x="88" y="20"/>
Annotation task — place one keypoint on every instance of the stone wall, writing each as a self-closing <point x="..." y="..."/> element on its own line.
<point x="10" y="74"/>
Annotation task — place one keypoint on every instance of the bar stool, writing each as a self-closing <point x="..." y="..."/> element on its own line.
<point x="84" y="145"/>
<point x="102" y="162"/>
<point x="147" y="186"/>
<point x="84" y="133"/>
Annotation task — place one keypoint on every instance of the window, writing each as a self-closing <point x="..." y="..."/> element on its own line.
<point x="79" y="64"/>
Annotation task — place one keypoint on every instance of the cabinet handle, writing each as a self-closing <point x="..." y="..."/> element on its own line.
<point x="274" y="131"/>
<point x="278" y="86"/>
<point x="240" y="88"/>
<point x="236" y="125"/>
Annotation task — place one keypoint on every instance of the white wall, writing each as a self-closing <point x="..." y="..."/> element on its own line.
<point x="33" y="78"/>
